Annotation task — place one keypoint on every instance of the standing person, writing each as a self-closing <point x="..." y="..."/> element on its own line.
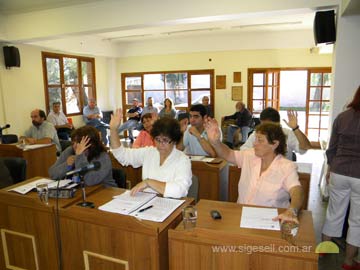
<point x="343" y="157"/>
<point x="209" y="110"/>
<point x="92" y="116"/>
<point x="296" y="140"/>
<point x="41" y="131"/>
<point x="195" y="141"/>
<point x="134" y="115"/>
<point x="86" y="148"/>
<point x="144" y="138"/>
<point x="168" y="110"/>
<point x="164" y="168"/>
<point x="243" y="119"/>
<point x="60" y="121"/>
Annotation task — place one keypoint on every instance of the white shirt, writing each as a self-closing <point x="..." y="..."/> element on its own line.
<point x="291" y="142"/>
<point x="175" y="171"/>
<point x="57" y="119"/>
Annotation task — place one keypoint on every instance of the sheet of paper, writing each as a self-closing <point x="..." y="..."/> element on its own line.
<point x="160" y="209"/>
<point x="259" y="218"/>
<point x="197" y="158"/>
<point x="32" y="185"/>
<point x="208" y="159"/>
<point x="34" y="146"/>
<point x="125" y="203"/>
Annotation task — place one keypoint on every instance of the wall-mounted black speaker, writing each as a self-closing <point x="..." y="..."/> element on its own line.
<point x="324" y="27"/>
<point x="11" y="56"/>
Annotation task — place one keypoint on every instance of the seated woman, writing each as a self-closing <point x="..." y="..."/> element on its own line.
<point x="168" y="110"/>
<point x="267" y="177"/>
<point x="86" y="148"/>
<point x="144" y="138"/>
<point x="164" y="168"/>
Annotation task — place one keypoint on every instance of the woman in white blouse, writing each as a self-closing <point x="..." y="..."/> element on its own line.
<point x="164" y="168"/>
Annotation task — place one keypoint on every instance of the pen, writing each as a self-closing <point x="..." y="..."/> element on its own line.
<point x="146" y="208"/>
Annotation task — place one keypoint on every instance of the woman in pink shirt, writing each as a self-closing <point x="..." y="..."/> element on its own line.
<point x="267" y="177"/>
<point x="144" y="138"/>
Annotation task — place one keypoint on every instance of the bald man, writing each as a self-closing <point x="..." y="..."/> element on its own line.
<point x="41" y="131"/>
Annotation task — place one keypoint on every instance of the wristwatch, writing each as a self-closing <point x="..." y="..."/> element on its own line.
<point x="295" y="128"/>
<point x="294" y="211"/>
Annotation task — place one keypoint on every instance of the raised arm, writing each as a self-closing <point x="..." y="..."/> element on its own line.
<point x="213" y="132"/>
<point x="114" y="126"/>
<point x="292" y="123"/>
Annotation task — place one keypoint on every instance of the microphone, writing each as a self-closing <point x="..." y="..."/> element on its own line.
<point x="5" y="127"/>
<point x="92" y="166"/>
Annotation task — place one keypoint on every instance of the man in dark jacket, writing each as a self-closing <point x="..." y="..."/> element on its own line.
<point x="243" y="119"/>
<point x="134" y="114"/>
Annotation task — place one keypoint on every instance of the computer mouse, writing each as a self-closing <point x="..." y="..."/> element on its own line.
<point x="215" y="214"/>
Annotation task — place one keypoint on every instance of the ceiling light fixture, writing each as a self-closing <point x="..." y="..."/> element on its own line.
<point x="128" y="37"/>
<point x="191" y="30"/>
<point x="267" y="24"/>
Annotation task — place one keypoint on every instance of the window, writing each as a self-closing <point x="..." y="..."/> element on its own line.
<point x="305" y="90"/>
<point x="183" y="87"/>
<point x="69" y="79"/>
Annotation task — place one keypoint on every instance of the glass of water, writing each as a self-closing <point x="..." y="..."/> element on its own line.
<point x="43" y="192"/>
<point x="189" y="217"/>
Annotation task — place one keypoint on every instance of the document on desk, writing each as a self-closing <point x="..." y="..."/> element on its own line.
<point x="125" y="203"/>
<point x="158" y="209"/>
<point x="23" y="189"/>
<point x="34" y="146"/>
<point x="259" y="218"/>
<point x="142" y="205"/>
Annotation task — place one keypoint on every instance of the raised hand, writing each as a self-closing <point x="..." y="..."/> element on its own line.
<point x="212" y="129"/>
<point x="116" y="119"/>
<point x="292" y="119"/>
<point x="82" y="145"/>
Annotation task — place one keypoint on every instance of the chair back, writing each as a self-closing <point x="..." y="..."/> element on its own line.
<point x="194" y="188"/>
<point x="9" y="138"/>
<point x="120" y="177"/>
<point x="16" y="167"/>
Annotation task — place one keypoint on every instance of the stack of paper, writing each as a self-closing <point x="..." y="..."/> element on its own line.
<point x="259" y="218"/>
<point x="23" y="189"/>
<point x="142" y="205"/>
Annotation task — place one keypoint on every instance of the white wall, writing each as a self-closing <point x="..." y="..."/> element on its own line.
<point x="346" y="62"/>
<point x="22" y="89"/>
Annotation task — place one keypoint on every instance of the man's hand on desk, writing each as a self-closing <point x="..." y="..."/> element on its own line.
<point x="30" y="141"/>
<point x="288" y="216"/>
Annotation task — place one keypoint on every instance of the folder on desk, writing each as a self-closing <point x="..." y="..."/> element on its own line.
<point x="157" y="208"/>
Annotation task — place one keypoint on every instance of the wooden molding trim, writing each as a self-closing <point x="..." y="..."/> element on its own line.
<point x="103" y="257"/>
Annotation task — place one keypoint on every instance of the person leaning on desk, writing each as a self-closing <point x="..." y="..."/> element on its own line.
<point x="86" y="148"/>
<point x="267" y="177"/>
<point x="164" y="168"/>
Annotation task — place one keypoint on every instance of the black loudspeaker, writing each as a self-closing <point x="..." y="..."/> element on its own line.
<point x="11" y="56"/>
<point x="324" y="27"/>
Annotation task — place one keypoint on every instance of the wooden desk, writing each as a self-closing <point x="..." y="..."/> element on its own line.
<point x="106" y="241"/>
<point x="38" y="160"/>
<point x="304" y="178"/>
<point x="113" y="241"/>
<point x="241" y="248"/>
<point x="27" y="226"/>
<point x="213" y="179"/>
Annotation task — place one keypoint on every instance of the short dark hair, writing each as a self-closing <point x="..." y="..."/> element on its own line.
<point x="270" y="114"/>
<point x="146" y="116"/>
<point x="56" y="102"/>
<point x="96" y="146"/>
<point x="273" y="132"/>
<point x="198" y="108"/>
<point x="42" y="114"/>
<point x="168" y="127"/>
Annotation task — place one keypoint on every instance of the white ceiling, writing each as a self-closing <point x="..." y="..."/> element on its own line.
<point x="300" y="19"/>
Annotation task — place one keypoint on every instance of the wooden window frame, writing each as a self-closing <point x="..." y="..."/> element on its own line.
<point x="189" y="89"/>
<point x="62" y="84"/>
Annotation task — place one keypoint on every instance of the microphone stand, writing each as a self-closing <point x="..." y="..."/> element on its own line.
<point x="84" y="203"/>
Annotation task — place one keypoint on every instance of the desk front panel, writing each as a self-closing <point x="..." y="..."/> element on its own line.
<point x="27" y="226"/>
<point x="107" y="241"/>
<point x="222" y="244"/>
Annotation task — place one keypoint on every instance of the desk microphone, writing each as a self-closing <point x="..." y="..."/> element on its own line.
<point x="92" y="166"/>
<point x="4" y="127"/>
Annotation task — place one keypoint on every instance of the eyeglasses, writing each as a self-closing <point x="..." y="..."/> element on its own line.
<point x="162" y="140"/>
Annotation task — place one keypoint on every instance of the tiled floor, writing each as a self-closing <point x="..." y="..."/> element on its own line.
<point x="318" y="208"/>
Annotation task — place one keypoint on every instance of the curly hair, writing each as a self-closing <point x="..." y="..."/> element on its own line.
<point x="96" y="146"/>
<point x="273" y="132"/>
<point x="168" y="127"/>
